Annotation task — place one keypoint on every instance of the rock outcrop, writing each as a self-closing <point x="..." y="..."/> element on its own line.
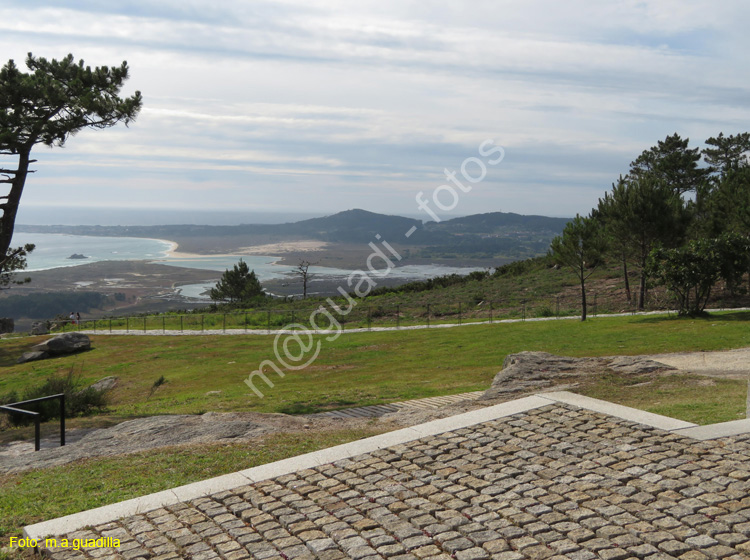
<point x="532" y="371"/>
<point x="60" y="345"/>
<point x="139" y="435"/>
<point x="39" y="327"/>
<point x="105" y="384"/>
<point x="7" y="325"/>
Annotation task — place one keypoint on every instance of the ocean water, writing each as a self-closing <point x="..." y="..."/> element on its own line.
<point x="53" y="250"/>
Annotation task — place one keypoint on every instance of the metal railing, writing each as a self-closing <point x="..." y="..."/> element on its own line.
<point x="11" y="408"/>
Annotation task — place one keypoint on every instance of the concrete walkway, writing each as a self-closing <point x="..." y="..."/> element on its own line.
<point x="554" y="476"/>
<point x="166" y="332"/>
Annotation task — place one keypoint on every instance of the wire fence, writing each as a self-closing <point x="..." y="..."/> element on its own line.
<point x="359" y="316"/>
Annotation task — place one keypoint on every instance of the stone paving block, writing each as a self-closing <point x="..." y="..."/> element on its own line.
<point x="556" y="482"/>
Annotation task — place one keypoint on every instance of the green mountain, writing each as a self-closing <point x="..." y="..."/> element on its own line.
<point x="481" y="235"/>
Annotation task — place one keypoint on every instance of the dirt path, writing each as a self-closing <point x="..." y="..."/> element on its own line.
<point x="730" y="364"/>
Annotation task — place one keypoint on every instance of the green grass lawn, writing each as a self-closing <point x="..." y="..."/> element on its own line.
<point x="356" y="369"/>
<point x="690" y="398"/>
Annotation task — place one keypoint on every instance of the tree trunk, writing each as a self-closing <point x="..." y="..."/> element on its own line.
<point x="583" y="299"/>
<point x="627" y="280"/>
<point x="642" y="286"/>
<point x="10" y="208"/>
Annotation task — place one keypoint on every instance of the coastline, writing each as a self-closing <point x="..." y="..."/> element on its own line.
<point x="173" y="253"/>
<point x="271" y="250"/>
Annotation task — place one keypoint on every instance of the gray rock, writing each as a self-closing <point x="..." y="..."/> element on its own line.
<point x="532" y="371"/>
<point x="143" y="434"/>
<point x="635" y="365"/>
<point x="105" y="384"/>
<point x="39" y="327"/>
<point x="67" y="343"/>
<point x="32" y="357"/>
<point x="6" y="325"/>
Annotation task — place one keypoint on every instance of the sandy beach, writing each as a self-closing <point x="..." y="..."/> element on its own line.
<point x="268" y="249"/>
<point x="285" y="247"/>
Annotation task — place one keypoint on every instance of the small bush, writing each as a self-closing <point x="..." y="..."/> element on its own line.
<point x="158" y="383"/>
<point x="79" y="401"/>
<point x="545" y="311"/>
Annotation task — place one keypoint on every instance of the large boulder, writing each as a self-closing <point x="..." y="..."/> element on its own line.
<point x="60" y="345"/>
<point x="531" y="371"/>
<point x="32" y="357"/>
<point x="68" y="343"/>
<point x="7" y="325"/>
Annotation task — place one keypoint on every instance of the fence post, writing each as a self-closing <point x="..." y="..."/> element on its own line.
<point x="181" y="330"/>
<point x="163" y="324"/>
<point x="292" y="316"/>
<point x="224" y="324"/>
<point x="62" y="419"/>
<point x="127" y="324"/>
<point x="398" y="316"/>
<point x="595" y="304"/>
<point x="459" y="312"/>
<point x="369" y="318"/>
<point x="490" y="312"/>
<point x="557" y="306"/>
<point x="202" y="317"/>
<point x="268" y="323"/>
<point x="110" y="325"/>
<point x="144" y="324"/>
<point x="523" y="315"/>
<point x="428" y="315"/>
<point x="37" y="431"/>
<point x="245" y="322"/>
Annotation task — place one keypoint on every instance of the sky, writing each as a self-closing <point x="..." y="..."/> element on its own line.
<point x="324" y="106"/>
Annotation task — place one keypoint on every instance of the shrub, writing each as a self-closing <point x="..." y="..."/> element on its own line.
<point x="79" y="401"/>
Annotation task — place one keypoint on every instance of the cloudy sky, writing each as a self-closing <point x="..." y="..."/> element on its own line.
<point x="322" y="106"/>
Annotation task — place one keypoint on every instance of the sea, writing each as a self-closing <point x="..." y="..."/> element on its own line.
<point x="55" y="251"/>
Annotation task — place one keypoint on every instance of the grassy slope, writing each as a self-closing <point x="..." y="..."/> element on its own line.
<point x="355" y="369"/>
<point x="531" y="287"/>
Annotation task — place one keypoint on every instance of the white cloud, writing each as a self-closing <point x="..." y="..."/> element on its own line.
<point x="324" y="104"/>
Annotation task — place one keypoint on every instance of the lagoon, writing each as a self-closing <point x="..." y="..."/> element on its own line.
<point x="52" y="251"/>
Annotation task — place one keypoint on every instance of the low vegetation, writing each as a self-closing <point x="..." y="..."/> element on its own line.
<point x="80" y="399"/>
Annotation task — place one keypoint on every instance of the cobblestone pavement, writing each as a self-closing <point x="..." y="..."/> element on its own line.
<point x="556" y="482"/>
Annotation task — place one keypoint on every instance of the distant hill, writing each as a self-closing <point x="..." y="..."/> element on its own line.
<point x="353" y="226"/>
<point x="482" y="235"/>
<point x="500" y="222"/>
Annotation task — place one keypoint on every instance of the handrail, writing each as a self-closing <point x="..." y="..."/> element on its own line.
<point x="37" y="417"/>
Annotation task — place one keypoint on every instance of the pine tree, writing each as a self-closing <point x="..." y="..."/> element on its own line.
<point x="580" y="248"/>
<point x="52" y="102"/>
<point x="238" y="285"/>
